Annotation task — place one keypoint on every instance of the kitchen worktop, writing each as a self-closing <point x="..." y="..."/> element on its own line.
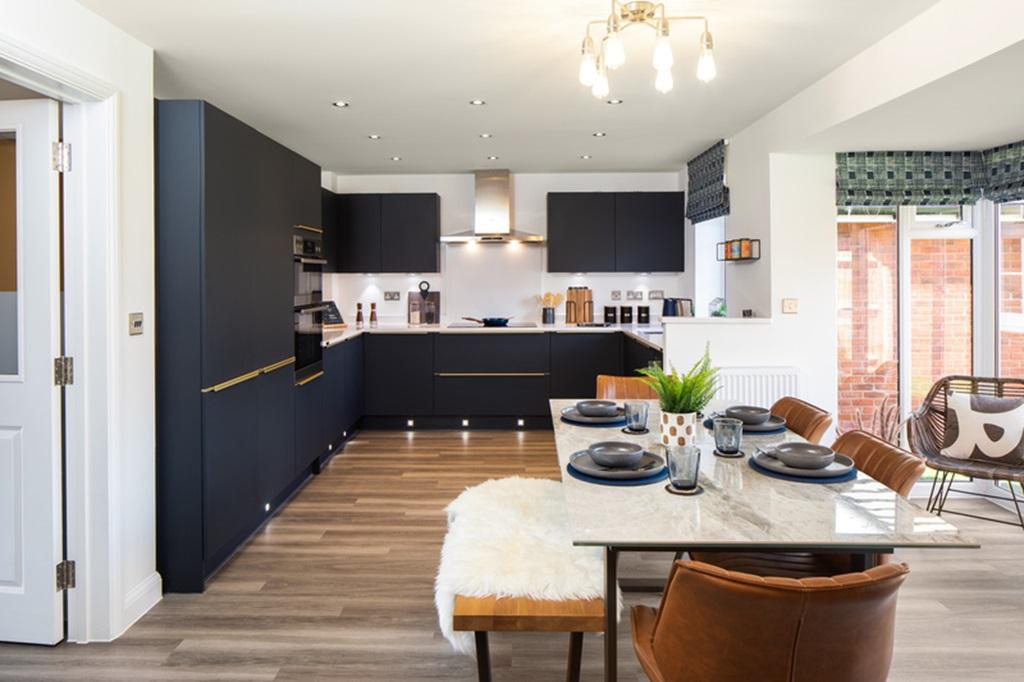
<point x="650" y="335"/>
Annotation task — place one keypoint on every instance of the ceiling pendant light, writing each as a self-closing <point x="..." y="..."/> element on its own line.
<point x="588" y="63"/>
<point x="706" y="70"/>
<point x="594" y="64"/>
<point x="663" y="81"/>
<point x="662" y="58"/>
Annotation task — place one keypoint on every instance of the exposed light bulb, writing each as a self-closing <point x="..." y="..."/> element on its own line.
<point x="706" y="69"/>
<point x="600" y="88"/>
<point x="588" y="69"/>
<point x="663" y="82"/>
<point x="663" y="50"/>
<point x="614" y="51"/>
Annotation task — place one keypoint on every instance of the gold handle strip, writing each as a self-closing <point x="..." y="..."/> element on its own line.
<point x="309" y="379"/>
<point x="490" y="374"/>
<point x="278" y="365"/>
<point x="309" y="228"/>
<point x="241" y="378"/>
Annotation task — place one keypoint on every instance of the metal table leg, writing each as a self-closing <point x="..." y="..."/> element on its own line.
<point x="611" y="640"/>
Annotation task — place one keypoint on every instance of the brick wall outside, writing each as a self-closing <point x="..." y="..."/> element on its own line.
<point x="867" y="293"/>
<point x="1011" y="330"/>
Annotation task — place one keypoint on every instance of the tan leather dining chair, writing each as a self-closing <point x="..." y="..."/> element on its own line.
<point x="610" y="387"/>
<point x="803" y="418"/>
<point x="891" y="466"/>
<point x="715" y="625"/>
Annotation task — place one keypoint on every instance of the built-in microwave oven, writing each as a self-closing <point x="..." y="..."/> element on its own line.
<point x="308" y="245"/>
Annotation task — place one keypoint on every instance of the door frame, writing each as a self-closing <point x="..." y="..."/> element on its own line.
<point x="97" y="609"/>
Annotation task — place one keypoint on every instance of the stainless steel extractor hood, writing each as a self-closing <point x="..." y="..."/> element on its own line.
<point x="492" y="222"/>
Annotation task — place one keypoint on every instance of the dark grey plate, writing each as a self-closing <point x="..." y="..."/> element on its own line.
<point x="774" y="423"/>
<point x="613" y="453"/>
<point x="597" y="408"/>
<point x="804" y="455"/>
<point x="840" y="466"/>
<point x="573" y="415"/>
<point x="649" y="465"/>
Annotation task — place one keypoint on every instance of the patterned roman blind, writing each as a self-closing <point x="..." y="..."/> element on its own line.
<point x="1004" y="177"/>
<point x="709" y="197"/>
<point x="914" y="178"/>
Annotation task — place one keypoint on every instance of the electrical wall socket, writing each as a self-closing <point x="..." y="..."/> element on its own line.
<point x="616" y="295"/>
<point x="392" y="295"/>
<point x="790" y="306"/>
<point x="634" y="295"/>
<point x="656" y="295"/>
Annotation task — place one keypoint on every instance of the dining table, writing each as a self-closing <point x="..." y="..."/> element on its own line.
<point x="739" y="509"/>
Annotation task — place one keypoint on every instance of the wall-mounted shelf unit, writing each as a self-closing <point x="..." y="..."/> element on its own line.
<point x="743" y="250"/>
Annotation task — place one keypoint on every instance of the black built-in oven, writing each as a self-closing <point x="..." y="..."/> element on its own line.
<point x="308" y="257"/>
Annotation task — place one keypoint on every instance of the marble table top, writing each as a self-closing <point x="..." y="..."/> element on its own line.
<point x="740" y="508"/>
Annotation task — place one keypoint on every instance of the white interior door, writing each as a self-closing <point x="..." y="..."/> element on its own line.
<point x="31" y="607"/>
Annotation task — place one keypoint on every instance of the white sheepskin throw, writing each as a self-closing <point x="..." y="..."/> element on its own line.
<point x="510" y="538"/>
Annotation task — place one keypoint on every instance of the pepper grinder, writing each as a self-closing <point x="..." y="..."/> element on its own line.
<point x="373" y="314"/>
<point x="359" y="315"/>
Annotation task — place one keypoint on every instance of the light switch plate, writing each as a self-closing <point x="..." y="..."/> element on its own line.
<point x="634" y="295"/>
<point x="392" y="295"/>
<point x="134" y="324"/>
<point x="616" y="295"/>
<point x="790" y="306"/>
<point x="656" y="295"/>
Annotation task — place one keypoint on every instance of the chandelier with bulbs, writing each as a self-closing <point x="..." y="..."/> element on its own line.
<point x="611" y="53"/>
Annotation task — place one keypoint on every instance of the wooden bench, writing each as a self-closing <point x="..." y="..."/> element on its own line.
<point x="481" y="615"/>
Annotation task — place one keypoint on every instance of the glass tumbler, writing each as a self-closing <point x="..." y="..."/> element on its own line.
<point x="728" y="435"/>
<point x="683" y="466"/>
<point x="636" y="416"/>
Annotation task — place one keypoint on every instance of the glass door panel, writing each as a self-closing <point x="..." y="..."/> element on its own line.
<point x="941" y="312"/>
<point x="1011" y="291"/>
<point x="9" y="326"/>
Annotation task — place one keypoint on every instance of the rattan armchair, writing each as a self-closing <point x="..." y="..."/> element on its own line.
<point x="926" y="431"/>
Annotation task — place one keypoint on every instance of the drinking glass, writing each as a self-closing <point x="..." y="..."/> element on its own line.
<point x="728" y="435"/>
<point x="636" y="416"/>
<point x="683" y="466"/>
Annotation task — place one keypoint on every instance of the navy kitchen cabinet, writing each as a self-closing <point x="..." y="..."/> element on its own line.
<point x="311" y="439"/>
<point x="343" y="395"/>
<point x="581" y="232"/>
<point x="329" y="223"/>
<point x="388" y="232"/>
<point x="637" y="355"/>
<point x="649" y="231"/>
<point x="227" y="198"/>
<point x="578" y="357"/>
<point x="410" y="227"/>
<point x="399" y="379"/>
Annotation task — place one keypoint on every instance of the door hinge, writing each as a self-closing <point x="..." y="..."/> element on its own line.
<point x="61" y="156"/>
<point x="63" y="371"/>
<point x="65" y="575"/>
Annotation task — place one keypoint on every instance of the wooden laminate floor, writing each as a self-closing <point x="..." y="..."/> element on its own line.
<point x="339" y="586"/>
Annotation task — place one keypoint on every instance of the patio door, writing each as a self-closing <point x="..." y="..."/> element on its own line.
<point x="31" y="528"/>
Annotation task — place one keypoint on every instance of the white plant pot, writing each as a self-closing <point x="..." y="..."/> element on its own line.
<point x="678" y="428"/>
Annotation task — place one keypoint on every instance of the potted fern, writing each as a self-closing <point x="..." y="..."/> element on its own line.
<point x="682" y="397"/>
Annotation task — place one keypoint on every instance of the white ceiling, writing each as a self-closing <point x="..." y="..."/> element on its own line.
<point x="409" y="68"/>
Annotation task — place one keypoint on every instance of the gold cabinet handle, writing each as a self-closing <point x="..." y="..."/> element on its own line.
<point x="278" y="365"/>
<point x="490" y="374"/>
<point x="309" y="228"/>
<point x="234" y="381"/>
<point x="311" y="377"/>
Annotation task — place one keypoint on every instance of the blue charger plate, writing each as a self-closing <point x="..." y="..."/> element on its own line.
<point x="653" y="478"/>
<point x="843" y="478"/>
<point x="605" y="425"/>
<point x="710" y="424"/>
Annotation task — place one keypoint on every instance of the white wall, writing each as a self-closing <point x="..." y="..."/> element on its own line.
<point x="501" y="280"/>
<point x="73" y="40"/>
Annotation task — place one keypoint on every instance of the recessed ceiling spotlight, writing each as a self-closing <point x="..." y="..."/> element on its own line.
<point x="492" y="158"/>
<point x="341" y="104"/>
<point x="477" y="102"/>
<point x="396" y="158"/>
<point x="615" y="101"/>
<point x="600" y="134"/>
<point x="374" y="137"/>
<point x="486" y="136"/>
<point x="585" y="157"/>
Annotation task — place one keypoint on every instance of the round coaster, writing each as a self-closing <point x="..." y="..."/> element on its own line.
<point x="735" y="455"/>
<point x="686" y="493"/>
<point x="626" y="430"/>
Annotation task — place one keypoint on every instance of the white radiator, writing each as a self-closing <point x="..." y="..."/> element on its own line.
<point x="760" y="386"/>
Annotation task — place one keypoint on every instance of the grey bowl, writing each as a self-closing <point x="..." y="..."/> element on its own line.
<point x="748" y="414"/>
<point x="804" y="455"/>
<point x="597" y="408"/>
<point x="613" y="453"/>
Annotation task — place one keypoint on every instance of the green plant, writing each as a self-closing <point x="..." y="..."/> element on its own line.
<point x="690" y="392"/>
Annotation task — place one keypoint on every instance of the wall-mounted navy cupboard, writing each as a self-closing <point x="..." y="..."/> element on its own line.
<point x="387" y="233"/>
<point x="615" y="231"/>
<point x="227" y="199"/>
